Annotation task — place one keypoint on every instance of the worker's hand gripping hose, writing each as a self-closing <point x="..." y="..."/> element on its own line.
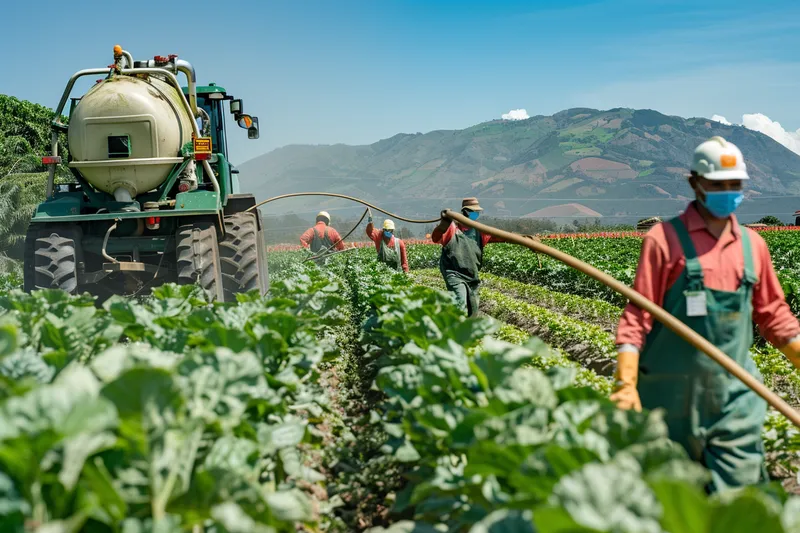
<point x="658" y="313"/>
<point x="675" y="325"/>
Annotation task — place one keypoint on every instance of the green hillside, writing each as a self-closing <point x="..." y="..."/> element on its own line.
<point x="619" y="163"/>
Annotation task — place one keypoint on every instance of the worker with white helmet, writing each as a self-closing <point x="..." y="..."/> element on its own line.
<point x="321" y="236"/>
<point x="717" y="277"/>
<point x="391" y="249"/>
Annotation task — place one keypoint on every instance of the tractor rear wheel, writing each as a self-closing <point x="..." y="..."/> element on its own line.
<point x="52" y="256"/>
<point x="241" y="251"/>
<point x="197" y="254"/>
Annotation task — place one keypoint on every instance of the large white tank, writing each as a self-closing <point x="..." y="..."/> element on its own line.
<point x="126" y="134"/>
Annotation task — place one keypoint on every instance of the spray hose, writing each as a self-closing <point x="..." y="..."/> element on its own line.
<point x="335" y="195"/>
<point x="658" y="313"/>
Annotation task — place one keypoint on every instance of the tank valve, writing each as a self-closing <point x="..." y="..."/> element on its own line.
<point x="123" y="195"/>
<point x="186" y="186"/>
<point x="188" y="178"/>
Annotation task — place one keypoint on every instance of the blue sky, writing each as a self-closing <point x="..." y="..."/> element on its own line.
<point x="356" y="71"/>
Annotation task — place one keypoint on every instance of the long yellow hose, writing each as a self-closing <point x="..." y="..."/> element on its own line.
<point x="335" y="195"/>
<point x="659" y="313"/>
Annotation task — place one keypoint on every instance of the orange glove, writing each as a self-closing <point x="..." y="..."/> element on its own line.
<point x="626" y="378"/>
<point x="792" y="351"/>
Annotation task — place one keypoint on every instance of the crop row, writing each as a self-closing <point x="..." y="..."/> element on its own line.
<point x="556" y="357"/>
<point x="202" y="418"/>
<point x="491" y="443"/>
<point x="212" y="418"/>
<point x="589" y="310"/>
<point x="766" y="232"/>
<point x="585" y="343"/>
<point x="579" y="341"/>
<point x="570" y="340"/>
<point x="617" y="257"/>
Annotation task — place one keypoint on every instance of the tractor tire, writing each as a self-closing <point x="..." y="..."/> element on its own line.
<point x="241" y="252"/>
<point x="52" y="256"/>
<point x="197" y="257"/>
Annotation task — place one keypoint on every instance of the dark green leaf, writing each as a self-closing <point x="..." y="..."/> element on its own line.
<point x="685" y="507"/>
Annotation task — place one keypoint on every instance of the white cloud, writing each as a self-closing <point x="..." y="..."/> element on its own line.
<point x="764" y="124"/>
<point x="721" y="120"/>
<point x="516" y="114"/>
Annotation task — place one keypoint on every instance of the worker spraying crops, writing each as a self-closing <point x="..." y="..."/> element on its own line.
<point x="391" y="249"/>
<point x="717" y="277"/>
<point x="462" y="255"/>
<point x="321" y="237"/>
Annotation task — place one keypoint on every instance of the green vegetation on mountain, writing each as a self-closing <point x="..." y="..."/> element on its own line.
<point x="621" y="163"/>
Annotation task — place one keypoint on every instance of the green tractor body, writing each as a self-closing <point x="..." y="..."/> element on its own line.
<point x="152" y="197"/>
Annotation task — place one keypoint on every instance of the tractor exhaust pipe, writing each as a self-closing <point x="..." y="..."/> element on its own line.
<point x="184" y="66"/>
<point x="179" y="65"/>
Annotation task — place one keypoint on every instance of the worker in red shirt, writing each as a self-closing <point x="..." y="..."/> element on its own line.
<point x="462" y="256"/>
<point x="391" y="250"/>
<point x="321" y="236"/>
<point x="717" y="277"/>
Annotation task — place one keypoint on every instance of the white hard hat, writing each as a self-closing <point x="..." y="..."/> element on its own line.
<point x="718" y="159"/>
<point x="324" y="214"/>
<point x="388" y="224"/>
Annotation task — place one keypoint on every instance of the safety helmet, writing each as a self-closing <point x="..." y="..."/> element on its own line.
<point x="717" y="159"/>
<point x="388" y="224"/>
<point x="325" y="215"/>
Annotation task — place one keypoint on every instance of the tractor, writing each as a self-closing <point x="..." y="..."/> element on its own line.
<point x="150" y="196"/>
<point x="646" y="223"/>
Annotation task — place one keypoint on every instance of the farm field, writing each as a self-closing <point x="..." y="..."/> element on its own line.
<point x="352" y="398"/>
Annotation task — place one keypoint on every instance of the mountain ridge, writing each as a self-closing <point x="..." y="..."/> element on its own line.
<point x="619" y="163"/>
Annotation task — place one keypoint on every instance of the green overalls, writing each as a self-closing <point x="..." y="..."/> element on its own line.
<point x="320" y="243"/>
<point x="460" y="263"/>
<point x="713" y="415"/>
<point x="390" y="256"/>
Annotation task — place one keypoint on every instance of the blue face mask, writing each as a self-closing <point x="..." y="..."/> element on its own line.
<point x="721" y="204"/>
<point x="473" y="215"/>
<point x="387" y="234"/>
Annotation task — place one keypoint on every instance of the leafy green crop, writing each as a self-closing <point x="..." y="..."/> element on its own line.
<point x="584" y="342"/>
<point x="174" y="414"/>
<point x="615" y="256"/>
<point x="490" y="440"/>
<point x="497" y="443"/>
<point x="193" y="419"/>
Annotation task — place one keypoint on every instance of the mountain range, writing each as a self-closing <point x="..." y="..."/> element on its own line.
<point x="619" y="165"/>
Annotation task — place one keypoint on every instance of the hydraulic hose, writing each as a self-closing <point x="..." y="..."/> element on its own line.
<point x="332" y="246"/>
<point x="334" y="253"/>
<point x="675" y="325"/>
<point x="659" y="313"/>
<point x="335" y="195"/>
